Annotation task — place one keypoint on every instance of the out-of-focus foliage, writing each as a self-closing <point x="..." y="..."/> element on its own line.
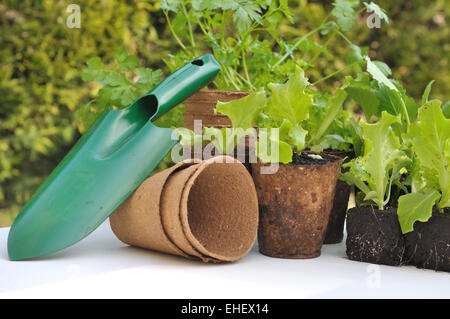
<point x="41" y="61"/>
<point x="415" y="44"/>
<point x="40" y="80"/>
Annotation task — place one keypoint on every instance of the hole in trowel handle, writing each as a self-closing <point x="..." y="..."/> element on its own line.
<point x="148" y="105"/>
<point x="128" y="124"/>
<point x="197" y="62"/>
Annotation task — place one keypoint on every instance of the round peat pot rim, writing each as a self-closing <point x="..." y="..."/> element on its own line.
<point x="332" y="160"/>
<point x="347" y="156"/>
<point x="137" y="221"/>
<point x="211" y="195"/>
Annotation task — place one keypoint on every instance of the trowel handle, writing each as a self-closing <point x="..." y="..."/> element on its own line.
<point x="184" y="82"/>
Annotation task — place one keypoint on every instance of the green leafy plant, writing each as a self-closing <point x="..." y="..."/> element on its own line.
<point x="244" y="37"/>
<point x="285" y="107"/>
<point x="386" y="160"/>
<point x="401" y="148"/>
<point x="380" y="167"/>
<point x="431" y="176"/>
<point x="119" y="88"/>
<point x="380" y="93"/>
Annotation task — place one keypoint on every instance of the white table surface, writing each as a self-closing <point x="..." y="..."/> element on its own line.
<point x="100" y="266"/>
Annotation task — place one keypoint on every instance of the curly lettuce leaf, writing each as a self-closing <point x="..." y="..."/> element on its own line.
<point x="415" y="207"/>
<point x="430" y="173"/>
<point x="293" y="135"/>
<point x="381" y="163"/>
<point x="243" y="112"/>
<point x="289" y="101"/>
<point x="432" y="148"/>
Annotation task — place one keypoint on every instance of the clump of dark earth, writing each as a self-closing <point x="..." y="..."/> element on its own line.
<point x="428" y="246"/>
<point x="306" y="159"/>
<point x="374" y="236"/>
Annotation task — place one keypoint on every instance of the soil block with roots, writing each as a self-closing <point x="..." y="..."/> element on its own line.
<point x="374" y="236"/>
<point x="428" y="246"/>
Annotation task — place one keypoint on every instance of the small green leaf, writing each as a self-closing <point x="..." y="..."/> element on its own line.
<point x="126" y="62"/>
<point x="361" y="91"/>
<point x="383" y="67"/>
<point x="378" y="75"/>
<point x="381" y="13"/>
<point x="170" y="5"/>
<point x="356" y="54"/>
<point x="243" y="112"/>
<point x="93" y="71"/>
<point x="345" y="13"/>
<point x="426" y="93"/>
<point x="331" y="111"/>
<point x="446" y="110"/>
<point x="415" y="207"/>
<point x="294" y="135"/>
<point x="330" y="25"/>
<point x="289" y="101"/>
<point x="117" y="79"/>
<point x="247" y="13"/>
<point x="352" y="179"/>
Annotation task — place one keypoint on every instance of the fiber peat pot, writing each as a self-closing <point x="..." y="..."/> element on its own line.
<point x="335" y="228"/>
<point x="206" y="211"/>
<point x="428" y="246"/>
<point x="375" y="236"/>
<point x="295" y="204"/>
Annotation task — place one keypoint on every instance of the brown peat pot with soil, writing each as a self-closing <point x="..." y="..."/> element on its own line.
<point x="428" y="246"/>
<point x="335" y="228"/>
<point x="375" y="236"/>
<point x="295" y="204"/>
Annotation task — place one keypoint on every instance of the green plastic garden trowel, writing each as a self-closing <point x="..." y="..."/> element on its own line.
<point x="104" y="167"/>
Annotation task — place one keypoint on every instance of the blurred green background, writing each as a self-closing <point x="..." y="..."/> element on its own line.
<point x="41" y="59"/>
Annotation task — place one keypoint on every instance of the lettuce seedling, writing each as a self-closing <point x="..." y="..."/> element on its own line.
<point x="290" y="108"/>
<point x="381" y="94"/>
<point x="286" y="108"/>
<point x="431" y="176"/>
<point x="380" y="166"/>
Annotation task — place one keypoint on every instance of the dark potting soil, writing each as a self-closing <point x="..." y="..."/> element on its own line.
<point x="428" y="246"/>
<point x="375" y="236"/>
<point x="306" y="160"/>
